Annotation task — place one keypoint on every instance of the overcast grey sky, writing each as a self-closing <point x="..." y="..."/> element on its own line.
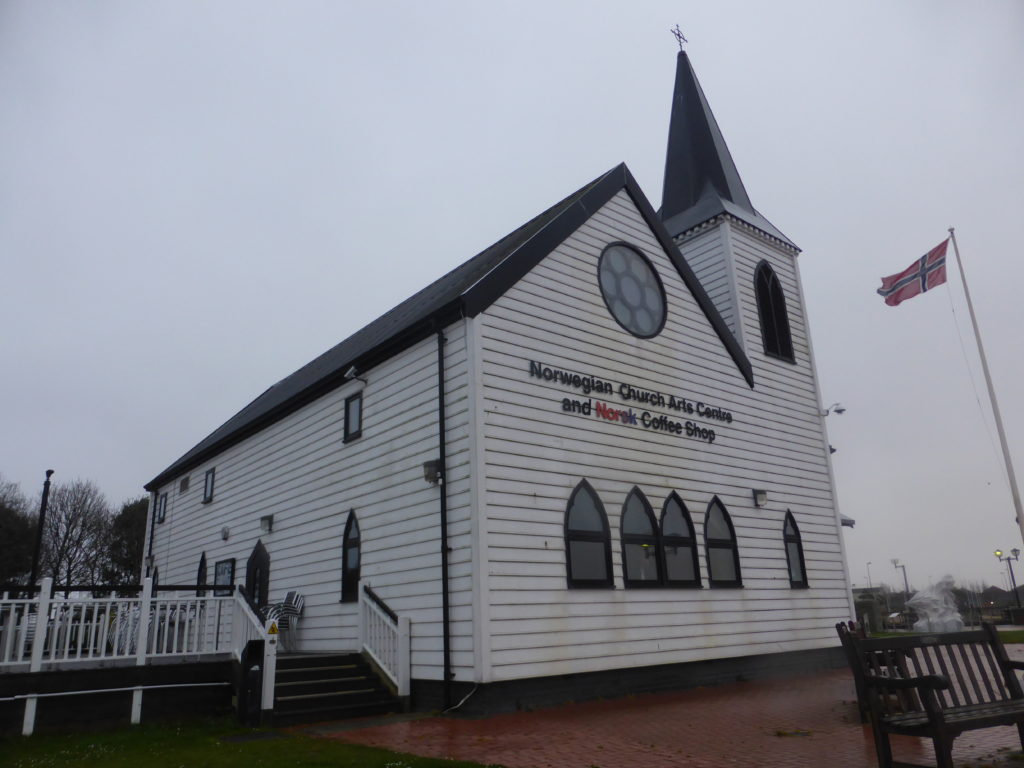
<point x="197" y="198"/>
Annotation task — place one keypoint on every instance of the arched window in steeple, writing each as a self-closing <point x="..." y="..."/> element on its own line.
<point x="588" y="546"/>
<point x="720" y="544"/>
<point x="794" y="552"/>
<point x="771" y="310"/>
<point x="640" y="561"/>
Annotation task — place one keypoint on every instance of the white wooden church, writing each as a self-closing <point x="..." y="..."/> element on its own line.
<point x="590" y="459"/>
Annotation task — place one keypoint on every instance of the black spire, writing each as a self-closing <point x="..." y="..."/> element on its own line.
<point x="701" y="180"/>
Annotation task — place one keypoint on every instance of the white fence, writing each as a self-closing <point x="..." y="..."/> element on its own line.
<point x="44" y="633"/>
<point x="384" y="637"/>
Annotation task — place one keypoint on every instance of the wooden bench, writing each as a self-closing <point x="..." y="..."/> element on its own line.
<point x="935" y="686"/>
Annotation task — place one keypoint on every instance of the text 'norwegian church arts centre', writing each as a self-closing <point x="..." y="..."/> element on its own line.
<point x="630" y="394"/>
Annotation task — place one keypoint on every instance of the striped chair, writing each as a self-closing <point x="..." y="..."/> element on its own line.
<point x="286" y="613"/>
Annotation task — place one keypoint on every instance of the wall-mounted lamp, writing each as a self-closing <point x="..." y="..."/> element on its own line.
<point x="760" y="496"/>
<point x="225" y="532"/>
<point x="834" y="408"/>
<point x="266" y="524"/>
<point x="432" y="472"/>
<point x="150" y="560"/>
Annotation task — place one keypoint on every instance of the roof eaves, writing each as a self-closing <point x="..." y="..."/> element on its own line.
<point x="410" y="335"/>
<point x="565" y="218"/>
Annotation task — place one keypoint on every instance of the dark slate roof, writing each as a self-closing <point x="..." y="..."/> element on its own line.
<point x="464" y="292"/>
<point x="701" y="180"/>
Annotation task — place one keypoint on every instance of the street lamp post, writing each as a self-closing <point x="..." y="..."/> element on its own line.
<point x="1014" y="555"/>
<point x="869" y="574"/>
<point x="39" y="533"/>
<point x="906" y="584"/>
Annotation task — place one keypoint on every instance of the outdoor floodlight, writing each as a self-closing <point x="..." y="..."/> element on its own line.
<point x="432" y="471"/>
<point x="760" y="496"/>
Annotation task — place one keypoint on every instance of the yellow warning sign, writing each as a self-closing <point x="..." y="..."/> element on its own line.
<point x="273" y="628"/>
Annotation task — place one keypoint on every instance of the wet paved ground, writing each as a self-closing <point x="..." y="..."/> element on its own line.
<point x="803" y="721"/>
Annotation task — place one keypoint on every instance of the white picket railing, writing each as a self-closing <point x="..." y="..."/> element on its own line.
<point x="54" y="633"/>
<point x="71" y="630"/>
<point x="384" y="636"/>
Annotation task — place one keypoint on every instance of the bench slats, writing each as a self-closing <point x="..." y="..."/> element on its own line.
<point x="983" y="689"/>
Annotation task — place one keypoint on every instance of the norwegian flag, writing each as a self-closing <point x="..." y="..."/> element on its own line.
<point x="923" y="275"/>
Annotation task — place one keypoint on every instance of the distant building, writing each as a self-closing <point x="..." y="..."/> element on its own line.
<point x="589" y="456"/>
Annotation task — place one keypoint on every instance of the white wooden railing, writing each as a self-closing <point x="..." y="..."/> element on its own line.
<point x="58" y="631"/>
<point x="384" y="636"/>
<point x="44" y="633"/>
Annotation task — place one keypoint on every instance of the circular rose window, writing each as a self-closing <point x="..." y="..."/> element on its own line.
<point x="632" y="290"/>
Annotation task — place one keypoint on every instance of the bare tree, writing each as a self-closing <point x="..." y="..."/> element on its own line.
<point x="126" y="543"/>
<point x="75" y="533"/>
<point x="17" y="534"/>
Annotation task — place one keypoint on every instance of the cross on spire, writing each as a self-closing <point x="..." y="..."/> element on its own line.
<point x="680" y="38"/>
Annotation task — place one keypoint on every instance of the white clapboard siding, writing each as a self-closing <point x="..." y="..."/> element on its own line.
<point x="535" y="454"/>
<point x="706" y="255"/>
<point x="300" y="471"/>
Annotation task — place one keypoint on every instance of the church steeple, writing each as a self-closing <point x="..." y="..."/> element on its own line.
<point x="701" y="180"/>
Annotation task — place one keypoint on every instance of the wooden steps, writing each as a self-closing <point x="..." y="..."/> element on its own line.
<point x="314" y="687"/>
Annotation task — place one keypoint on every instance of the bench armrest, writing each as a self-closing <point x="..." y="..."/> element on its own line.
<point x="1013" y="664"/>
<point x="931" y="682"/>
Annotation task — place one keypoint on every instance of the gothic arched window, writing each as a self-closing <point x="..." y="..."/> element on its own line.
<point x="350" y="560"/>
<point x="720" y="547"/>
<point x="771" y="310"/>
<point x="640" y="560"/>
<point x="679" y="544"/>
<point x="257" y="575"/>
<point x="201" y="576"/>
<point x="794" y="552"/>
<point x="588" y="548"/>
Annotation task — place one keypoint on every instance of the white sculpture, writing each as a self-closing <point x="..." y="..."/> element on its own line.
<point x="936" y="608"/>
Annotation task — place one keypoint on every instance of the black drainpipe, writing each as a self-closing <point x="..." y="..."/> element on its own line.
<point x="442" y="484"/>
<point x="153" y="498"/>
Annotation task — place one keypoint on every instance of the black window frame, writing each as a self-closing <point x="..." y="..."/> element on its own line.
<point x="350" y="576"/>
<point x="224" y="577"/>
<point x="794" y="538"/>
<point x="773" y="314"/>
<point x="657" y="279"/>
<point x="353" y="434"/>
<point x="687" y="542"/>
<point x="201" y="576"/>
<point x="257" y="575"/>
<point x="604" y="537"/>
<point x="161" y="507"/>
<point x="209" y="481"/>
<point x="651" y="540"/>
<point x="719" y="543"/>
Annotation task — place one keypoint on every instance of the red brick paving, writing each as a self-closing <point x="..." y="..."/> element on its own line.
<point x="804" y="721"/>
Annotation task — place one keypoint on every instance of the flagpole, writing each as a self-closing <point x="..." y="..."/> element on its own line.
<point x="991" y="391"/>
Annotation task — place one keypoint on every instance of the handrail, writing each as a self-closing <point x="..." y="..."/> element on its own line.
<point x="384" y="636"/>
<point x="380" y="603"/>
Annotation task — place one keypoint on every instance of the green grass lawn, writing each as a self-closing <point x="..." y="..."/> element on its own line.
<point x="202" y="744"/>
